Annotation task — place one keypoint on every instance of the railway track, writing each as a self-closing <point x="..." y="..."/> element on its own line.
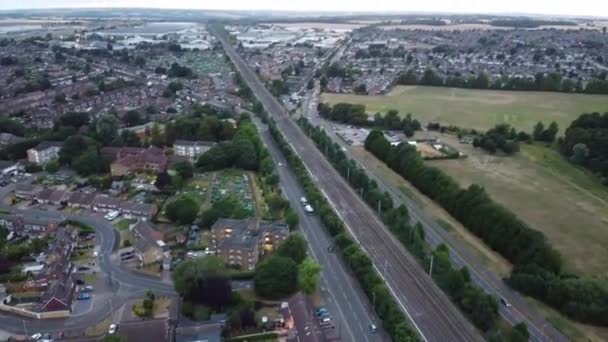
<point x="433" y="314"/>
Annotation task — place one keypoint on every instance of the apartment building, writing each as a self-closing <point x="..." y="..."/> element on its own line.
<point x="44" y="152"/>
<point x="191" y="149"/>
<point x="242" y="242"/>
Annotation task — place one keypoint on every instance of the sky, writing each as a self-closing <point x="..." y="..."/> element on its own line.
<point x="556" y="7"/>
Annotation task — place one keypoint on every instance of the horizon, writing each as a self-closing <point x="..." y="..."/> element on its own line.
<point x="559" y="8"/>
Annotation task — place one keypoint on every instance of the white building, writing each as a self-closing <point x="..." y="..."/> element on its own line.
<point x="44" y="152"/>
<point x="191" y="149"/>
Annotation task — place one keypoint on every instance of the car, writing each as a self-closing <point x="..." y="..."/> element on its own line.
<point x="112" y="329"/>
<point x="505" y="303"/>
<point x="320" y="310"/>
<point x="373" y="328"/>
<point x="79" y="282"/>
<point x="88" y="289"/>
<point x="83" y="296"/>
<point x="36" y="336"/>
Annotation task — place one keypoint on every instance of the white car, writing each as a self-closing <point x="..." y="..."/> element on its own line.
<point x="36" y="336"/>
<point x="112" y="329"/>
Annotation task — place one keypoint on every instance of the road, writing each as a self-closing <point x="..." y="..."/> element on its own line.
<point x="433" y="314"/>
<point x="520" y="311"/>
<point x="346" y="301"/>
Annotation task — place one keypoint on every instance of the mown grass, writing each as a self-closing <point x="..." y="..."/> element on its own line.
<point x="480" y="109"/>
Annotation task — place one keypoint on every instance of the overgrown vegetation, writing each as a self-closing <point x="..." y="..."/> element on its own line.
<point x="586" y="143"/>
<point x="355" y="114"/>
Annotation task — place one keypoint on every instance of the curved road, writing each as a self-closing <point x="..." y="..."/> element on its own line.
<point x="124" y="285"/>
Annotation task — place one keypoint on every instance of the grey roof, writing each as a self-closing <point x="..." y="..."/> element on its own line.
<point x="210" y="332"/>
<point x="46" y="144"/>
<point x="193" y="143"/>
<point x="6" y="164"/>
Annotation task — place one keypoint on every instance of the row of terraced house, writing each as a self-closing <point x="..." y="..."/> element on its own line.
<point x="84" y="200"/>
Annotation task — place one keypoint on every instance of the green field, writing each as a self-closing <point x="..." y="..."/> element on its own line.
<point x="480" y="109"/>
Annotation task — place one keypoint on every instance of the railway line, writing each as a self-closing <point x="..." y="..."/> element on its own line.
<point x="431" y="311"/>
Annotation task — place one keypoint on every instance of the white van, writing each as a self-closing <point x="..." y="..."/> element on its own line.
<point x="112" y="215"/>
<point x="308" y="209"/>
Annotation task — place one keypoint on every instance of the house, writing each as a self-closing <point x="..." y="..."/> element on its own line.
<point x="153" y="330"/>
<point x="141" y="210"/>
<point x="242" y="242"/>
<point x="54" y="197"/>
<point x="9" y="167"/>
<point x="143" y="131"/>
<point x="57" y="275"/>
<point x="127" y="160"/>
<point x="191" y="149"/>
<point x="9" y="139"/>
<point x="209" y="332"/>
<point x="81" y="200"/>
<point x="28" y="225"/>
<point x="26" y="191"/>
<point x="44" y="152"/>
<point x="105" y="203"/>
<point x="149" y="246"/>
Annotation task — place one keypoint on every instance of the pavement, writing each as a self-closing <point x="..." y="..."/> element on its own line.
<point x="519" y="311"/>
<point x="433" y="315"/>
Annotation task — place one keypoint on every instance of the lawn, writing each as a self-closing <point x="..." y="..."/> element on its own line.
<point x="480" y="109"/>
<point x="566" y="203"/>
<point x="124" y="224"/>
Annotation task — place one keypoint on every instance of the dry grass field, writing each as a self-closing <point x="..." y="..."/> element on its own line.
<point x="480" y="109"/>
<point x="566" y="203"/>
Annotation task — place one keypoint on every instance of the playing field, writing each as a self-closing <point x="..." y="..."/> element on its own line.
<point x="566" y="203"/>
<point x="480" y="109"/>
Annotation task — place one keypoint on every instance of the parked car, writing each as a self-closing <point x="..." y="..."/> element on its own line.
<point x="88" y="288"/>
<point x="83" y="296"/>
<point x="36" y="336"/>
<point x="79" y="282"/>
<point x="112" y="329"/>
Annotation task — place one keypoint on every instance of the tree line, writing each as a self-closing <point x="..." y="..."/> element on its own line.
<point x="538" y="266"/>
<point x="394" y="321"/>
<point x="540" y="82"/>
<point x="481" y="308"/>
<point x="585" y="143"/>
<point x="505" y="138"/>
<point x="355" y="114"/>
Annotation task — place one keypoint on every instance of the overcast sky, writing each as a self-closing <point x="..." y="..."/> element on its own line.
<point x="560" y="7"/>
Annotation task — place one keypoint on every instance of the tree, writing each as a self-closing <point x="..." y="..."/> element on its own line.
<point x="549" y="134"/>
<point x="580" y="153"/>
<point x="294" y="247"/>
<point x="291" y="218"/>
<point x="204" y="281"/>
<point x="87" y="163"/>
<point x="162" y="180"/>
<point x="132" y="118"/>
<point x="276" y="277"/>
<point x="519" y="333"/>
<point x="106" y="129"/>
<point x="156" y="138"/>
<point x="52" y="166"/>
<point x="539" y="128"/>
<point x="184" y="168"/>
<point x="182" y="210"/>
<point x="308" y="276"/>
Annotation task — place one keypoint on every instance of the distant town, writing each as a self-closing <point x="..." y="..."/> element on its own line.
<point x="211" y="176"/>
